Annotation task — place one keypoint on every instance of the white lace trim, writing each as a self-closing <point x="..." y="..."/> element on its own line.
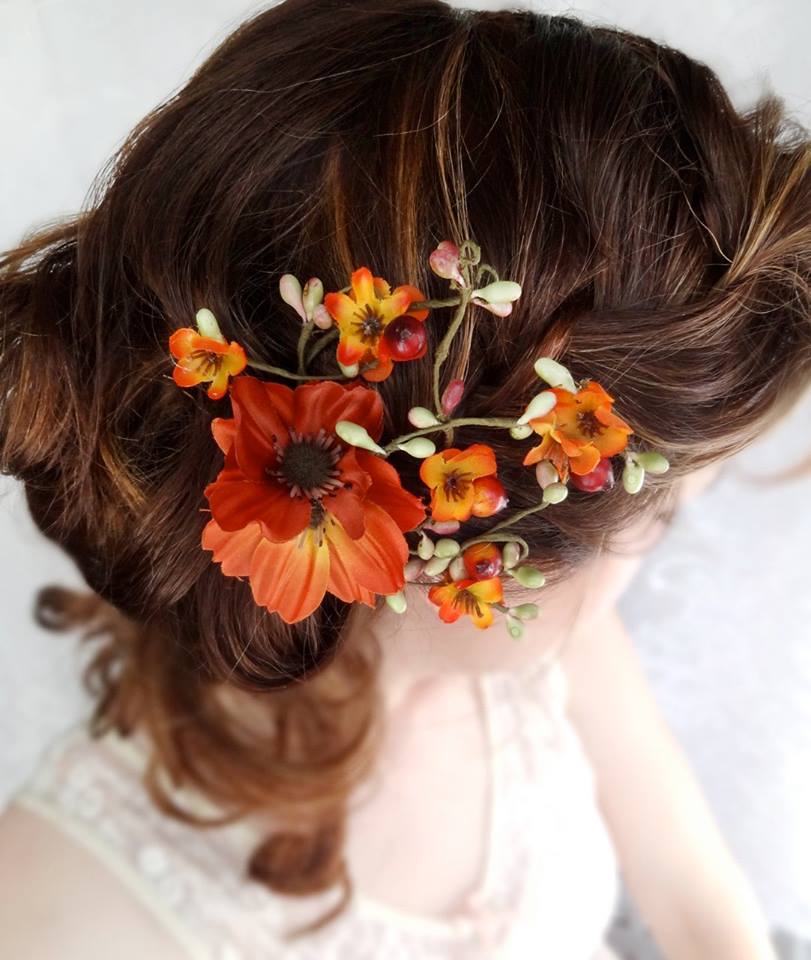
<point x="200" y="890"/>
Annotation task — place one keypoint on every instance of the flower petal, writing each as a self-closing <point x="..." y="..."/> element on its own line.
<point x="232" y="549"/>
<point x="585" y="461"/>
<point x="478" y="459"/>
<point x="375" y="560"/>
<point x="363" y="286"/>
<point x="323" y="403"/>
<point x="433" y="469"/>
<point x="290" y="578"/>
<point x="490" y="590"/>
<point x="260" y="426"/>
<point x="236" y="502"/>
<point x="224" y="431"/>
<point x="380" y="371"/>
<point x="387" y="492"/>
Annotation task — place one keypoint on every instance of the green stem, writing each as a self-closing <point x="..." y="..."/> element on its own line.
<point x="287" y="375"/>
<point x="303" y="337"/>
<point x="322" y="342"/>
<point x="424" y="304"/>
<point x="504" y="524"/>
<point x="444" y="348"/>
<point x="500" y="422"/>
<point x="499" y="538"/>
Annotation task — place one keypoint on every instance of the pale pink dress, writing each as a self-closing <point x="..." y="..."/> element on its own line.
<point x="548" y="892"/>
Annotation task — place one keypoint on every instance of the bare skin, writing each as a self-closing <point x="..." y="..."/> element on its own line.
<point x="60" y="901"/>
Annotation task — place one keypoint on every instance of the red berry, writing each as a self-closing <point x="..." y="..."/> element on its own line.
<point x="489" y="497"/>
<point x="600" y="478"/>
<point x="406" y="338"/>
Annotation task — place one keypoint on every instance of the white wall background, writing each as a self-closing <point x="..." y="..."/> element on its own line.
<point x="720" y="612"/>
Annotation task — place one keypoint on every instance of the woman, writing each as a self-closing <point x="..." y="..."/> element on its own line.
<point x="469" y="789"/>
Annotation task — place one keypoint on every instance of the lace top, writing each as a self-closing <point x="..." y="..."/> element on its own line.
<point x="548" y="890"/>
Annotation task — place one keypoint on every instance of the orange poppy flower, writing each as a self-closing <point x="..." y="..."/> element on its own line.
<point x="201" y="359"/>
<point x="296" y="510"/>
<point x="369" y="326"/>
<point x="578" y="431"/>
<point x="473" y="597"/>
<point x="463" y="483"/>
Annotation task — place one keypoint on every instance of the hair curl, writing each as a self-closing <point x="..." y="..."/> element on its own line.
<point x="662" y="240"/>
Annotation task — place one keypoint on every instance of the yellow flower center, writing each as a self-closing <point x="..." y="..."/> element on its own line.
<point x="207" y="362"/>
<point x="469" y="603"/>
<point x="369" y="325"/>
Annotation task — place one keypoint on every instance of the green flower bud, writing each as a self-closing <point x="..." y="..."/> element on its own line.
<point x="539" y="405"/>
<point x="313" y="295"/>
<point x="555" y="374"/>
<point x="525" y="611"/>
<point x="555" y="493"/>
<point x="425" y="548"/>
<point x="397" y="602"/>
<point x="436" y="565"/>
<point x="633" y="476"/>
<point x="207" y="325"/>
<point x="446" y="547"/>
<point x="522" y="432"/>
<point x="502" y="291"/>
<point x="514" y="627"/>
<point x="652" y="462"/>
<point x="458" y="570"/>
<point x="419" y="447"/>
<point x="510" y="554"/>
<point x="529" y="576"/>
<point x="356" y="436"/>
<point x="349" y="369"/>
<point x="421" y="417"/>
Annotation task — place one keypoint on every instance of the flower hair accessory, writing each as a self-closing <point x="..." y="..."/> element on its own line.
<point x="307" y="501"/>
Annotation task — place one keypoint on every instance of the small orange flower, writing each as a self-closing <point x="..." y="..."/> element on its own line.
<point x="298" y="512"/>
<point x="205" y="358"/>
<point x="578" y="431"/>
<point x="473" y="597"/>
<point x="463" y="483"/>
<point x="369" y="325"/>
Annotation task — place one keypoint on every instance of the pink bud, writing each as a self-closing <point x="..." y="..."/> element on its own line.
<point x="290" y="290"/>
<point x="452" y="396"/>
<point x="444" y="261"/>
<point x="499" y="309"/>
<point x="321" y="317"/>
<point x="443" y="527"/>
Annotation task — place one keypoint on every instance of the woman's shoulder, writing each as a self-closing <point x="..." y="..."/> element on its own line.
<point x="60" y="900"/>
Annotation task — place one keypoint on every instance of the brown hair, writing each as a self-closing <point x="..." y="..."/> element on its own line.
<point x="663" y="243"/>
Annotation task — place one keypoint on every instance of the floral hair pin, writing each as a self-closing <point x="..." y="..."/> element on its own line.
<point x="307" y="501"/>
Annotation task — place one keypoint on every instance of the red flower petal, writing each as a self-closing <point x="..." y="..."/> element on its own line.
<point x="258" y="421"/>
<point x="375" y="560"/>
<point x="386" y="491"/>
<point x="233" y="549"/>
<point x="323" y="403"/>
<point x="236" y="502"/>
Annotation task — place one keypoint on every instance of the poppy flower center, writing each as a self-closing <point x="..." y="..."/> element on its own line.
<point x="456" y="485"/>
<point x="588" y="424"/>
<point x="369" y="325"/>
<point x="308" y="465"/>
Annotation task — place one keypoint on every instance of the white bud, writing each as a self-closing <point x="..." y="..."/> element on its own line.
<point x="555" y="374"/>
<point x="356" y="435"/>
<point x="502" y="291"/>
<point x="510" y="554"/>
<point x="321" y="317"/>
<point x="397" y="601"/>
<point x="290" y="290"/>
<point x="425" y="548"/>
<point x="436" y="565"/>
<point x="207" y="325"/>
<point x="458" y="570"/>
<point x="545" y="473"/>
<point x="312" y="295"/>
<point x="652" y="462"/>
<point x="421" y="417"/>
<point x="633" y="476"/>
<point x="514" y="627"/>
<point x="446" y="547"/>
<point x="349" y="369"/>
<point x="538" y="406"/>
<point x="419" y="447"/>
<point x="522" y="432"/>
<point x="555" y="493"/>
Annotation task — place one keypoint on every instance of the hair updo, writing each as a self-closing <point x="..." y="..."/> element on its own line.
<point x="662" y="241"/>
